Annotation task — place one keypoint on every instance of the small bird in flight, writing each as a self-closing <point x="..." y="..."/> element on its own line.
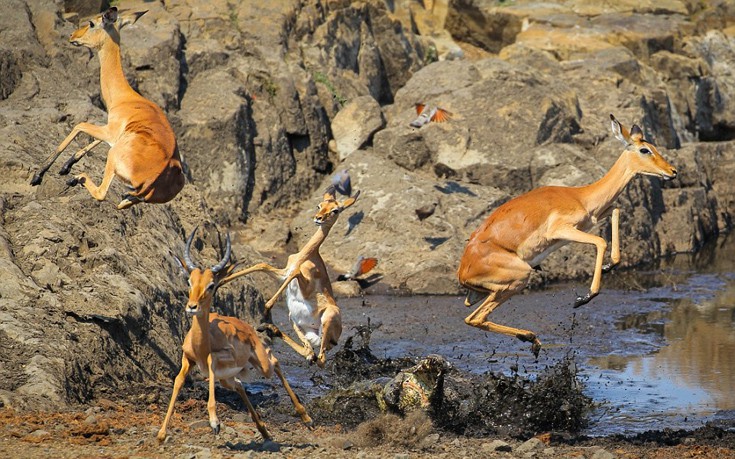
<point x="341" y="183"/>
<point x="428" y="113"/>
<point x="362" y="266"/>
<point x="426" y="211"/>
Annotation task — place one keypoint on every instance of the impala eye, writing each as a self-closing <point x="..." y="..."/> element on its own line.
<point x="645" y="151"/>
<point x="91" y="25"/>
<point x="210" y="286"/>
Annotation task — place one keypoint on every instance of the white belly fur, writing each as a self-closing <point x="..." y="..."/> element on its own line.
<point x="300" y="311"/>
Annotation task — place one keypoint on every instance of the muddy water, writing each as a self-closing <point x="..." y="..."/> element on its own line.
<point x="656" y="349"/>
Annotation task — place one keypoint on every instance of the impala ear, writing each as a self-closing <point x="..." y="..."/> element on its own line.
<point x="330" y="194"/>
<point x="129" y="18"/>
<point x="636" y="134"/>
<point x="619" y="131"/>
<point x="109" y="17"/>
<point x="349" y="201"/>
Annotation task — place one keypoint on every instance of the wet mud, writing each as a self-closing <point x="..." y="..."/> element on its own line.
<point x="608" y="370"/>
<point x="457" y="401"/>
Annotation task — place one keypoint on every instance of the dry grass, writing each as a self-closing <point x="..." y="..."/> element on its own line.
<point x="390" y="429"/>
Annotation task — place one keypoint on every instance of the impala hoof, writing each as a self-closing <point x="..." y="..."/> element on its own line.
<point x="608" y="267"/>
<point x="536" y="348"/>
<point x="36" y="180"/>
<point x="271" y="330"/>
<point x="215" y="428"/>
<point x="74" y="181"/>
<point x="582" y="300"/>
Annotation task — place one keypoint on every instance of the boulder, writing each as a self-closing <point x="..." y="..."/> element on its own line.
<point x="355" y="123"/>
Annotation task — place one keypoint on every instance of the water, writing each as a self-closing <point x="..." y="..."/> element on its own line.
<point x="656" y="349"/>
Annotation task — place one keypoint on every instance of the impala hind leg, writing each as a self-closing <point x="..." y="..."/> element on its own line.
<point x="478" y="319"/>
<point x="233" y="384"/>
<point x="500" y="276"/>
<point x="98" y="192"/>
<point x="300" y="409"/>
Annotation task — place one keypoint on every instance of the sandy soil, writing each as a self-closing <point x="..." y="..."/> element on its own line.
<point x="124" y="430"/>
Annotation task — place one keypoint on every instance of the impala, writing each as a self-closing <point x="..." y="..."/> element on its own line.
<point x="521" y="233"/>
<point x="143" y="151"/>
<point x="222" y="347"/>
<point x="313" y="312"/>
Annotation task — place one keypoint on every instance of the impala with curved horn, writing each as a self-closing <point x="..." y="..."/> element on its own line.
<point x="521" y="233"/>
<point x="143" y="151"/>
<point x="222" y="347"/>
<point x="312" y="309"/>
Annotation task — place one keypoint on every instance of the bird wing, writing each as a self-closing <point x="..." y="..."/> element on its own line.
<point x="420" y="108"/>
<point x="441" y="115"/>
<point x="366" y="265"/>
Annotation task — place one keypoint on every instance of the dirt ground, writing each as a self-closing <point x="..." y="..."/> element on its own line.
<point x="112" y="430"/>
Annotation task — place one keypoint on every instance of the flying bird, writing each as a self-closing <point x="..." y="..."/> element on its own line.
<point x="426" y="211"/>
<point x="341" y="183"/>
<point x="362" y="266"/>
<point x="428" y="113"/>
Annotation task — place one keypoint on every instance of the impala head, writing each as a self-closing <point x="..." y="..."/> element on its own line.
<point x="644" y="157"/>
<point x="203" y="282"/>
<point x="94" y="32"/>
<point x="329" y="209"/>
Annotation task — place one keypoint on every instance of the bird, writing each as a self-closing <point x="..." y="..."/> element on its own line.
<point x="426" y="211"/>
<point x="341" y="183"/>
<point x="363" y="265"/>
<point x="428" y="113"/>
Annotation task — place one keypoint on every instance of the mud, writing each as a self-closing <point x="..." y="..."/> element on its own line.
<point x="457" y="401"/>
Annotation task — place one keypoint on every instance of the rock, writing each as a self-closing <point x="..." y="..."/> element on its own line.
<point x="355" y="123"/>
<point x="531" y="445"/>
<point x="602" y="454"/>
<point x="270" y="446"/>
<point x="200" y="424"/>
<point x="496" y="445"/>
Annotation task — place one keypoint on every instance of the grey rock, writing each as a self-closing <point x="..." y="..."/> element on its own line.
<point x="496" y="445"/>
<point x="531" y="445"/>
<point x="602" y="454"/>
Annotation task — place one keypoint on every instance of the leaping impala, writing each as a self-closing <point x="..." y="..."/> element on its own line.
<point x="221" y="346"/>
<point x="521" y="233"/>
<point x="313" y="312"/>
<point x="143" y="149"/>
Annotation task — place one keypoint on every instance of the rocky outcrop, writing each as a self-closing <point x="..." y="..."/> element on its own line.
<point x="256" y="91"/>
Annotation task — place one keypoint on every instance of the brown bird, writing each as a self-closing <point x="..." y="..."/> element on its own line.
<point x="362" y="266"/>
<point x="428" y="113"/>
<point x="426" y="211"/>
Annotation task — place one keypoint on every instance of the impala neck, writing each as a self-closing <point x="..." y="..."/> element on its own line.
<point x="317" y="239"/>
<point x="200" y="333"/>
<point x="598" y="196"/>
<point x="112" y="79"/>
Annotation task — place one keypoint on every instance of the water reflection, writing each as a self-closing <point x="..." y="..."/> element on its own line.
<point x="694" y="373"/>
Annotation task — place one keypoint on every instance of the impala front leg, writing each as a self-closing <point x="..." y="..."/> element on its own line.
<point x="211" y="402"/>
<point x="98" y="132"/>
<point x="615" y="249"/>
<point x="178" y="382"/>
<point x="66" y="168"/>
<point x="575" y="235"/>
<point x="294" y="274"/>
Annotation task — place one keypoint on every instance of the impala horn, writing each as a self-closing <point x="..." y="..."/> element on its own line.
<point x="228" y="251"/>
<point x="187" y="253"/>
